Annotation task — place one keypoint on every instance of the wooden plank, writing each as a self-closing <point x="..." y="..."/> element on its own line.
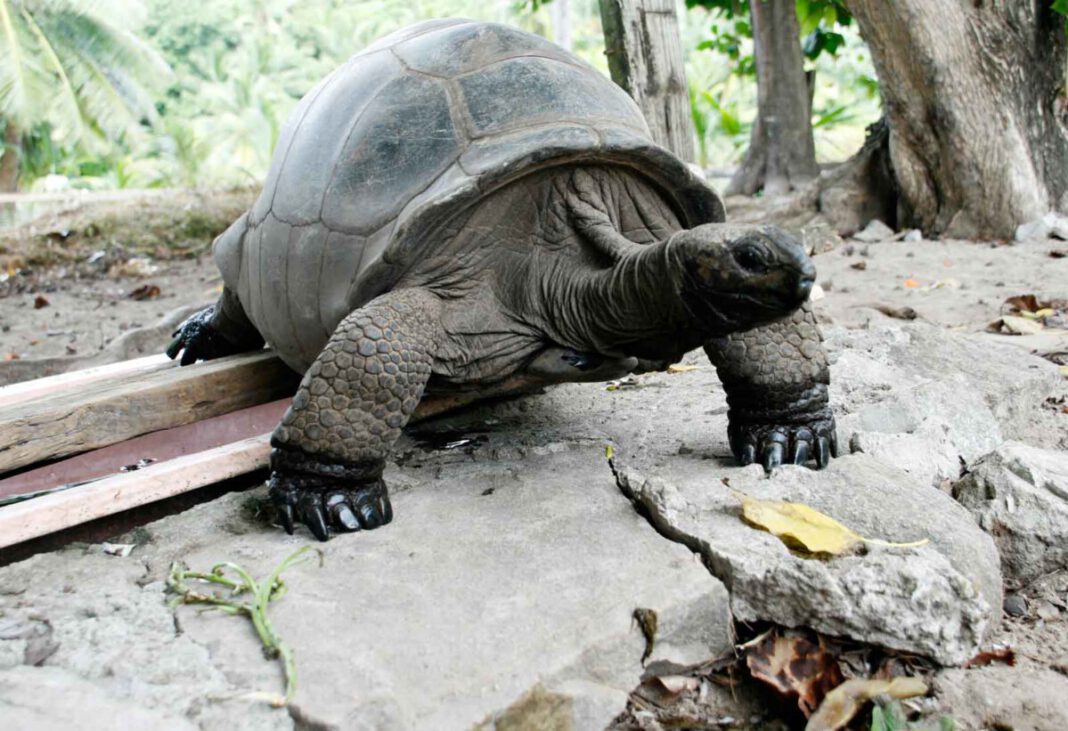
<point x="69" y="423"/>
<point x="24" y="391"/>
<point x="156" y="447"/>
<point x="50" y="513"/>
<point x="58" y="511"/>
<point x="641" y="39"/>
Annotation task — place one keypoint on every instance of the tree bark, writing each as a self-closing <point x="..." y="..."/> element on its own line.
<point x="641" y="39"/>
<point x="782" y="154"/>
<point x="974" y="96"/>
<point x="9" y="159"/>
<point x="560" y="12"/>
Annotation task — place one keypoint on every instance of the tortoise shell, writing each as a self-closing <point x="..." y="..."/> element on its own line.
<point x="418" y="126"/>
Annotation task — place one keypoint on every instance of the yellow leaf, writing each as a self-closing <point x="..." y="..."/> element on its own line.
<point x="1044" y="312"/>
<point x="911" y="283"/>
<point x="609" y="452"/>
<point x="806" y="529"/>
<point x="1020" y="325"/>
<point x="1064" y="371"/>
<point x="681" y="368"/>
<point x="843" y="703"/>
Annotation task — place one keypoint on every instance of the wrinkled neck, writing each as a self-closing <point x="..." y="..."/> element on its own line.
<point x="636" y="304"/>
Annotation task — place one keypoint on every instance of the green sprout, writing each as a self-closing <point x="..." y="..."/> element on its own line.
<point x="261" y="595"/>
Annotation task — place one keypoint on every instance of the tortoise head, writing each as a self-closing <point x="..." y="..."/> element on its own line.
<point x="737" y="277"/>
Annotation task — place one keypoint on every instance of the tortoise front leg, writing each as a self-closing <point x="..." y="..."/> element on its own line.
<point x="331" y="447"/>
<point x="218" y="330"/>
<point x="776" y="380"/>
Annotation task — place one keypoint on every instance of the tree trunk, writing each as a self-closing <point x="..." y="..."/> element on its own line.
<point x="9" y="159"/>
<point x="560" y="12"/>
<point x="782" y="154"/>
<point x="974" y="96"/>
<point x="641" y="39"/>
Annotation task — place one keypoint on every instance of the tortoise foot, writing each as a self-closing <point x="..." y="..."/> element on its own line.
<point x="325" y="506"/>
<point x="772" y="445"/>
<point x="198" y="339"/>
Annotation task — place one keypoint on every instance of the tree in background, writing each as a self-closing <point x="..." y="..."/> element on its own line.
<point x="781" y="156"/>
<point x="71" y="74"/>
<point x="977" y="111"/>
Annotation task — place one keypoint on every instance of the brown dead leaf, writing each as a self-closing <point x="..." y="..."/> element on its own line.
<point x="40" y="301"/>
<point x="1022" y="303"/>
<point x="795" y="667"/>
<point x="665" y="690"/>
<point x="845" y="701"/>
<point x="1058" y="253"/>
<point x="911" y="283"/>
<point x="859" y="265"/>
<point x="898" y="313"/>
<point x="11" y="356"/>
<point x="145" y="292"/>
<point x="988" y="657"/>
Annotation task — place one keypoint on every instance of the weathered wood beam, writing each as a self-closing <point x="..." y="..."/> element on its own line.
<point x="95" y="415"/>
<point x="24" y="391"/>
<point x="641" y="39"/>
<point x="115" y="493"/>
<point x="51" y="513"/>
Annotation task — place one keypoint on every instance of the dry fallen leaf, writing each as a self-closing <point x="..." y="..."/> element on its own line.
<point x="806" y="529"/>
<point x="898" y="313"/>
<point x="911" y="283"/>
<point x="1018" y="325"/>
<point x="795" y="666"/>
<point x="145" y="292"/>
<point x="1000" y="654"/>
<point x="40" y="301"/>
<point x="665" y="690"/>
<point x="681" y="368"/>
<point x="845" y="701"/>
<point x="1064" y="370"/>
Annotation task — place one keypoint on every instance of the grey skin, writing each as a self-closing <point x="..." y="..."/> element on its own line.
<point x="464" y="205"/>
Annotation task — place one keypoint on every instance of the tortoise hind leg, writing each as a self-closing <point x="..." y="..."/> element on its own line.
<point x="218" y="330"/>
<point x="330" y="449"/>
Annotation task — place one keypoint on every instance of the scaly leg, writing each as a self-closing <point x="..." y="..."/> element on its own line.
<point x="776" y="380"/>
<point x="331" y="447"/>
<point x="218" y="330"/>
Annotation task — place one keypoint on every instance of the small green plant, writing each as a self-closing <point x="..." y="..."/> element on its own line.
<point x="260" y="593"/>
<point x="891" y="717"/>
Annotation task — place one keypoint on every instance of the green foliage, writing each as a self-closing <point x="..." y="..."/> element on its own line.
<point x="240" y="66"/>
<point x="891" y="717"/>
<point x="74" y="76"/>
<point x="1060" y="6"/>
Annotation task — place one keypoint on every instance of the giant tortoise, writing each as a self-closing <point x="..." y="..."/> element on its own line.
<point x="464" y="202"/>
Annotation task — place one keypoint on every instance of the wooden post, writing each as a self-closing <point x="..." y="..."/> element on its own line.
<point x="641" y="39"/>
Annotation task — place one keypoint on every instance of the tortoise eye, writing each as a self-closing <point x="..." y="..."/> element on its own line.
<point x="751" y="258"/>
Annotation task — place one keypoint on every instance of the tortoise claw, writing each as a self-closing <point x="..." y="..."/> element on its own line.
<point x="324" y="506"/>
<point x="775" y="444"/>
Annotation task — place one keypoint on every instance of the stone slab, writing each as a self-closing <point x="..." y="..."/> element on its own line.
<point x="937" y="600"/>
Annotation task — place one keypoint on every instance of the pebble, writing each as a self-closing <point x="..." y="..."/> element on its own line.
<point x="1015" y="605"/>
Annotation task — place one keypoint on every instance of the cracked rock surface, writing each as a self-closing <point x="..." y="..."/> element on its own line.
<point x="495" y="578"/>
<point x="936" y="600"/>
<point x="1019" y="494"/>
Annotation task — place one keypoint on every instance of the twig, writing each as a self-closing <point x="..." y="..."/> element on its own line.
<point x="261" y="594"/>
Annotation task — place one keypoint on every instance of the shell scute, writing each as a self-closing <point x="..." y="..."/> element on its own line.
<point x="399" y="146"/>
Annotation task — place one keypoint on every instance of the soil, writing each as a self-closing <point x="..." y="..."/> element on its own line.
<point x="73" y="281"/>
